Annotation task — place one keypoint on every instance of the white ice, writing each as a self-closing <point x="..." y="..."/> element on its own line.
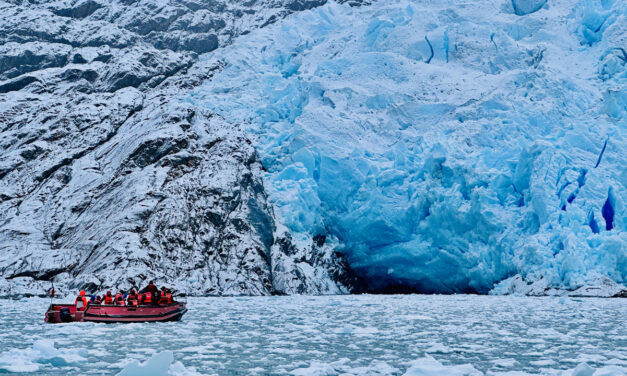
<point x="332" y="335"/>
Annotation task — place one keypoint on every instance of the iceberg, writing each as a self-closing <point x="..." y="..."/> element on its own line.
<point x="160" y="364"/>
<point x="444" y="148"/>
<point x="43" y="351"/>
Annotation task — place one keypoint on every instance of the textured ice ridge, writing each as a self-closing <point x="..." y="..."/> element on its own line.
<point x="447" y="148"/>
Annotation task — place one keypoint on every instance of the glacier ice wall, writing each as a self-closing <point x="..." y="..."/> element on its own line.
<point x="447" y="147"/>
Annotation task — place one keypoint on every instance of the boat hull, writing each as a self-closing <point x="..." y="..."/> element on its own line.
<point x="59" y="313"/>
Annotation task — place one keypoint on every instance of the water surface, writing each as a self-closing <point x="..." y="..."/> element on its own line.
<point x="366" y="334"/>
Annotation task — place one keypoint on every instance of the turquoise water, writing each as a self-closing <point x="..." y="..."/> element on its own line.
<point x="365" y="335"/>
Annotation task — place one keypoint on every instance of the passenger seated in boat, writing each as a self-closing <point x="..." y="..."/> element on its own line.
<point x="108" y="298"/>
<point x="97" y="300"/>
<point x="81" y="301"/>
<point x="166" y="296"/>
<point x="132" y="299"/>
<point x="119" y="298"/>
<point x="147" y="298"/>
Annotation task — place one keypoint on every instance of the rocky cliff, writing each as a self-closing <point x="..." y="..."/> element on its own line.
<point x="107" y="180"/>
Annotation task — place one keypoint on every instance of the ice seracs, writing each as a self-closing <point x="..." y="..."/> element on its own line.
<point x="447" y="148"/>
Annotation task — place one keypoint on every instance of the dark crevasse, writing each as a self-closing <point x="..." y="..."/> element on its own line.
<point x="608" y="211"/>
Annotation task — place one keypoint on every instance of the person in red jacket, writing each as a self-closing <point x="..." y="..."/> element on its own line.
<point x="147" y="298"/>
<point x="151" y="288"/>
<point x="81" y="301"/>
<point x="166" y="296"/>
<point x="150" y="294"/>
<point x="119" y="298"/>
<point x="108" y="298"/>
<point x="132" y="299"/>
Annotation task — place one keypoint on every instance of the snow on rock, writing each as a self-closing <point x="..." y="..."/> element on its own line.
<point x="105" y="181"/>
<point x="446" y="148"/>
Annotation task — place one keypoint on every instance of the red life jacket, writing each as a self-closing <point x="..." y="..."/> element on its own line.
<point x="81" y="299"/>
<point x="165" y="298"/>
<point x="147" y="298"/>
<point x="108" y="299"/>
<point x="119" y="299"/>
<point x="132" y="300"/>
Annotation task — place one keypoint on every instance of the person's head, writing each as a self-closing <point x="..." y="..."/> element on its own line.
<point x="133" y="291"/>
<point x="151" y="283"/>
<point x="97" y="297"/>
<point x="82" y="293"/>
<point x="163" y="288"/>
<point x="122" y="292"/>
<point x="109" y="293"/>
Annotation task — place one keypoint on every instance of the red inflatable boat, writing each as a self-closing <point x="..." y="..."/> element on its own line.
<point x="58" y="313"/>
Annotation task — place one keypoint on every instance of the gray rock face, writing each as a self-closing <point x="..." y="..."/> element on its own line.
<point x="106" y="181"/>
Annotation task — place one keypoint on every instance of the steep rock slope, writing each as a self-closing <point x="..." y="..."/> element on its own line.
<point x="449" y="147"/>
<point x="105" y="181"/>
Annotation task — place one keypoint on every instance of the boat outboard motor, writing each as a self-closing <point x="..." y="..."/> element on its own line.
<point x="65" y="315"/>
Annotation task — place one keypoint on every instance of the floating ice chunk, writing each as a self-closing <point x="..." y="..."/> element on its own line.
<point x="428" y="366"/>
<point x="439" y="349"/>
<point x="178" y="369"/>
<point x="160" y="364"/>
<point x="584" y="369"/>
<point x="42" y="352"/>
<point x="11" y="363"/>
<point x="319" y="368"/>
<point x="343" y="367"/>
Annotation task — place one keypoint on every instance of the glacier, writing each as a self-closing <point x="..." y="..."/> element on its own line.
<point x="313" y="147"/>
<point x="443" y="147"/>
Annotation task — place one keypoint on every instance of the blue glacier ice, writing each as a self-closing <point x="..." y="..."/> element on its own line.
<point x="444" y="147"/>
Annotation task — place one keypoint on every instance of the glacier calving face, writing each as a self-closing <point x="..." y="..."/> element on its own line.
<point x="446" y="147"/>
<point x="440" y="147"/>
